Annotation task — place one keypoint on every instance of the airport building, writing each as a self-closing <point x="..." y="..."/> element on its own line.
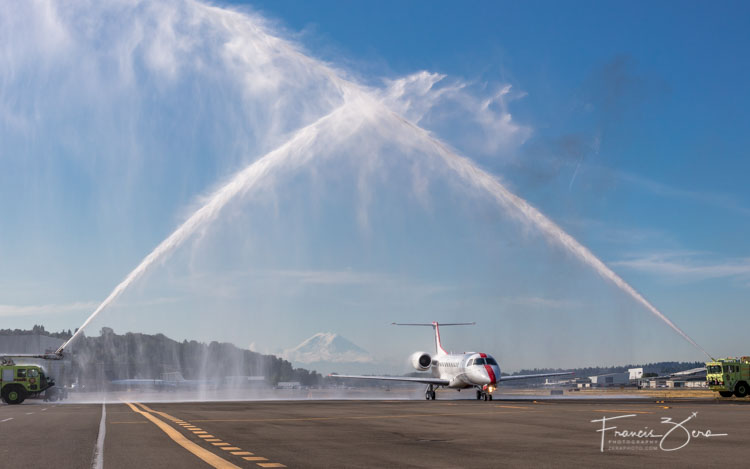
<point x="610" y="379"/>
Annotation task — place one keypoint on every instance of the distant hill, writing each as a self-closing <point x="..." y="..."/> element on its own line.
<point x="111" y="356"/>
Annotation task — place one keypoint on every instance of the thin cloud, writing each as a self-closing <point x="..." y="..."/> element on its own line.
<point x="74" y="307"/>
<point x="333" y="277"/>
<point x="687" y="266"/>
<point x="541" y="302"/>
<point x="617" y="234"/>
<point x="45" y="310"/>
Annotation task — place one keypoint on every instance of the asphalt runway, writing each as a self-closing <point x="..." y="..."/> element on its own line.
<point x="351" y="434"/>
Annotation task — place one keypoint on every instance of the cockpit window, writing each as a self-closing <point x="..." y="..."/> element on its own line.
<point x="491" y="361"/>
<point x="479" y="361"/>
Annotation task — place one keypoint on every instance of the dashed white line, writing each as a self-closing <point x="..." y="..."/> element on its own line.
<point x="1" y="421"/>
<point x="44" y="409"/>
<point x="29" y="413"/>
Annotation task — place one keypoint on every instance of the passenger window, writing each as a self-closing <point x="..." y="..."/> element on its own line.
<point x="21" y="373"/>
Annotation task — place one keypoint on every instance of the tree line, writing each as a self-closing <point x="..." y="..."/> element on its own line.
<point x="112" y="356"/>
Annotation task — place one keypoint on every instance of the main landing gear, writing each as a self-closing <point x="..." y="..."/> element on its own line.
<point x="429" y="394"/>
<point x="483" y="395"/>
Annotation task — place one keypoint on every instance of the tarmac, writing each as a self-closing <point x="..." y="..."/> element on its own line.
<point x="378" y="433"/>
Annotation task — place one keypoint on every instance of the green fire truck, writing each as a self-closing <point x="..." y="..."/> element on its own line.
<point x="21" y="382"/>
<point x="729" y="376"/>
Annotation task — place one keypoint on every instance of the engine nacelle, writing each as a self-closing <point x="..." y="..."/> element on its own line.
<point x="421" y="361"/>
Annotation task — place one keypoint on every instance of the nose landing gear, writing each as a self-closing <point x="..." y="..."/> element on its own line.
<point x="483" y="395"/>
<point x="429" y="394"/>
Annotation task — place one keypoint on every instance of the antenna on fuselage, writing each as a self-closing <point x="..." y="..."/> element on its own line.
<point x="439" y="350"/>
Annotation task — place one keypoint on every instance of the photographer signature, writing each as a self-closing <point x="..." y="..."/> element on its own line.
<point x="677" y="432"/>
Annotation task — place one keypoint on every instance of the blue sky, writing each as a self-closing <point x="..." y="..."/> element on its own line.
<point x="624" y="123"/>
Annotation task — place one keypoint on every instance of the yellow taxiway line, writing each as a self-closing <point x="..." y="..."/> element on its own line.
<point x="202" y="453"/>
<point x="206" y="456"/>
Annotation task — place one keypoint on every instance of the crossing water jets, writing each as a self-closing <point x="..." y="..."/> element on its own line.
<point x="361" y="110"/>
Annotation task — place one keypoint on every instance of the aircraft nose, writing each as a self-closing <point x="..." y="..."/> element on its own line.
<point x="491" y="374"/>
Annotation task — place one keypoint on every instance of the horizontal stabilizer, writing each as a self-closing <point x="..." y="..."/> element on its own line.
<point x="432" y="324"/>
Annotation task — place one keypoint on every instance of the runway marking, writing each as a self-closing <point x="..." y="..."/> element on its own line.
<point x="11" y="418"/>
<point x="198" y="432"/>
<point x="44" y="409"/>
<point x="254" y="458"/>
<point x="205" y="455"/>
<point x="242" y="453"/>
<point x="99" y="450"/>
<point x="214" y="441"/>
<point x="29" y="413"/>
<point x="512" y="407"/>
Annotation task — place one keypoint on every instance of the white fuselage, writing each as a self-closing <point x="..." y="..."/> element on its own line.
<point x="467" y="370"/>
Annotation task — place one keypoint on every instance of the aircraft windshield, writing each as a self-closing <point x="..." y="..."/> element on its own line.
<point x="491" y="361"/>
<point x="479" y="361"/>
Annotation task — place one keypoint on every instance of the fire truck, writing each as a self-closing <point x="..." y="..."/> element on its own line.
<point x="20" y="382"/>
<point x="729" y="376"/>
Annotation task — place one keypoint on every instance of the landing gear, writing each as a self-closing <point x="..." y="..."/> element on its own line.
<point x="429" y="394"/>
<point x="482" y="395"/>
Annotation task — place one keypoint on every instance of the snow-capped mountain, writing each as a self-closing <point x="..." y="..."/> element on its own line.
<point x="327" y="347"/>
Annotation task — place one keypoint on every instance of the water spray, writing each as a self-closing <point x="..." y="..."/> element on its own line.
<point x="468" y="171"/>
<point x="361" y="105"/>
<point x="240" y="183"/>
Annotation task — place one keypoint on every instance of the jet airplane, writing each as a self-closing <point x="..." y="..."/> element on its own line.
<point x="454" y="371"/>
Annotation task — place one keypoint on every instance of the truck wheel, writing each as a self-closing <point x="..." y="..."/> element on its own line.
<point x="741" y="389"/>
<point x="725" y="393"/>
<point x="14" y="394"/>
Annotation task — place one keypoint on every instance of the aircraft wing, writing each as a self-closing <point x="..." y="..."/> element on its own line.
<point x="436" y="381"/>
<point x="542" y="375"/>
